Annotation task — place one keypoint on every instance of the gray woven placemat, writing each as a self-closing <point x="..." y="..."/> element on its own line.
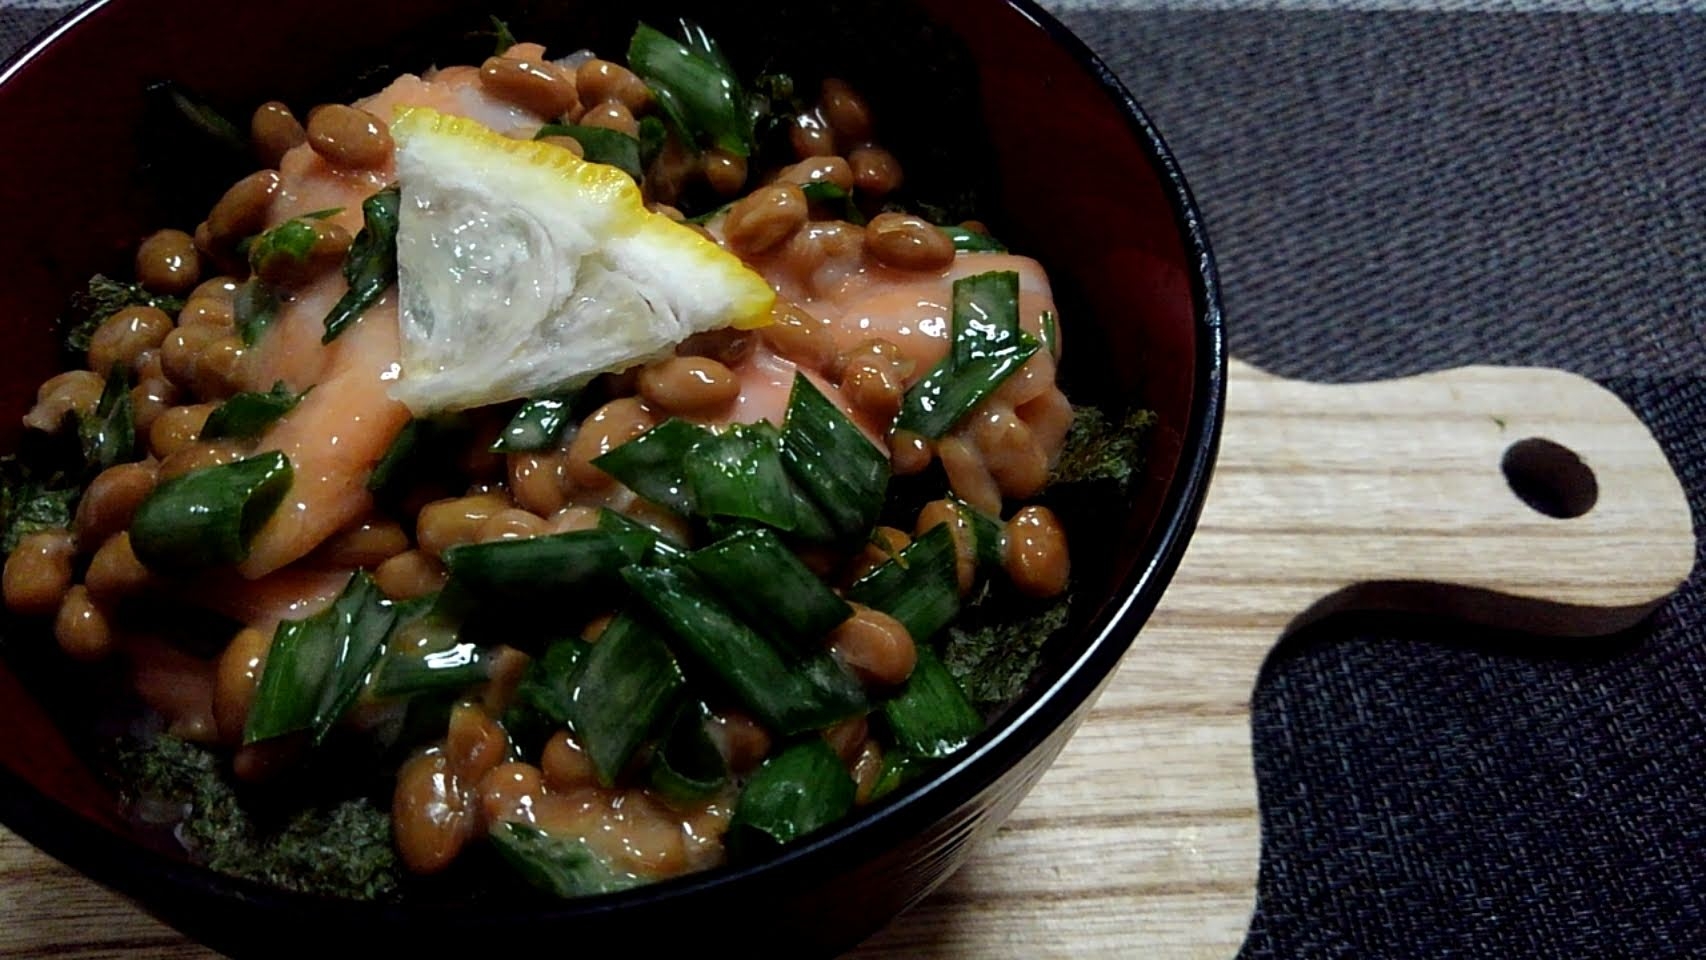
<point x="1391" y="191"/>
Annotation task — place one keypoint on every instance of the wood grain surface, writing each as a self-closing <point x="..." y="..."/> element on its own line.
<point x="1144" y="837"/>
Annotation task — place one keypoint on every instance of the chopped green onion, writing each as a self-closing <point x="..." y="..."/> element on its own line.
<point x="316" y="667"/>
<point x="504" y="38"/>
<point x="253" y="309"/>
<point x="370" y="266"/>
<point x="837" y="693"/>
<point x="622" y="688"/>
<point x="711" y="214"/>
<point x="738" y="474"/>
<point x="687" y="767"/>
<point x="563" y="866"/>
<point x="985" y="533"/>
<point x="548" y="686"/>
<point x="651" y="464"/>
<point x="843" y="473"/>
<point x="108" y="436"/>
<point x="835" y="197"/>
<point x="397" y="455"/>
<point x="701" y="42"/>
<point x="424" y="450"/>
<point x="201" y="117"/>
<point x="662" y="549"/>
<point x="800" y="790"/>
<point x="931" y="716"/>
<point x="543" y="568"/>
<point x="404" y="673"/>
<point x="899" y="768"/>
<point x="767" y="585"/>
<point x="293" y="239"/>
<point x="786" y="701"/>
<point x="920" y="587"/>
<point x="695" y="88"/>
<point x="250" y="414"/>
<point x="600" y="145"/>
<point x="652" y="136"/>
<point x="972" y="241"/>
<point x="1048" y="331"/>
<point x="325" y="214"/>
<point x="208" y="517"/>
<point x="988" y="346"/>
<point x="536" y="425"/>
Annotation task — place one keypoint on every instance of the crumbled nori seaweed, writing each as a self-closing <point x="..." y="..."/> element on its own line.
<point x="340" y="849"/>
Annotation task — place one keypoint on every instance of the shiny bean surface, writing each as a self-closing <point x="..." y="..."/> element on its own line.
<point x="688" y="385"/>
<point x="410" y="574"/>
<point x="968" y="474"/>
<point x="611" y="115"/>
<point x="538" y="86"/>
<point x="177" y="428"/>
<point x="1015" y="460"/>
<point x="430" y="819"/>
<point x="274" y="130"/>
<point x="74" y="391"/>
<point x="347" y="137"/>
<point x="565" y="763"/>
<point x="368" y="543"/>
<point x="910" y="453"/>
<point x="819" y="170"/>
<point x="600" y="80"/>
<point x="795" y="333"/>
<point x="607" y="428"/>
<point x="743" y="742"/>
<point x="445" y="523"/>
<point x="725" y="172"/>
<point x="38" y="573"/>
<point x="152" y="396"/>
<point x="811" y="136"/>
<point x="122" y="337"/>
<point x="875" y="646"/>
<point x="181" y="350"/>
<point x="845" y="111"/>
<point x="876" y="172"/>
<point x="111" y="500"/>
<point x="199" y="456"/>
<point x="242" y="211"/>
<point x="510" y="524"/>
<point x="537" y="480"/>
<point x="239" y="673"/>
<point x="1034" y="552"/>
<point x="764" y="218"/>
<point x="81" y="627"/>
<point x="727" y="346"/>
<point x="167" y="262"/>
<point x="114" y="571"/>
<point x="906" y="242"/>
<point x="204" y="310"/>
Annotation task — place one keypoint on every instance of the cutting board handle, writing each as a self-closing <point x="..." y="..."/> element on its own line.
<point x="1144" y="837"/>
<point x="1518" y="497"/>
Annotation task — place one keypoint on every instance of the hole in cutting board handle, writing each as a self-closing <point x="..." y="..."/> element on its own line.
<point x="1550" y="477"/>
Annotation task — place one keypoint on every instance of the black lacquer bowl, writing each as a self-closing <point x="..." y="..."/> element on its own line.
<point x="991" y="100"/>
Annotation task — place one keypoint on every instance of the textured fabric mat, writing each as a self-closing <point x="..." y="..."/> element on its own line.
<point x="1392" y="192"/>
<point x="1395" y="192"/>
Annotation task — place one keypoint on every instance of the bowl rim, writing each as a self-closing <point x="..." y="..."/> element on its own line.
<point x="149" y="877"/>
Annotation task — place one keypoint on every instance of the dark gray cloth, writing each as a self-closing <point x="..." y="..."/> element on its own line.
<point x="1394" y="192"/>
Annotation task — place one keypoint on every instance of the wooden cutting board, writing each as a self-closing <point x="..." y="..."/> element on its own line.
<point x="1143" y="839"/>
